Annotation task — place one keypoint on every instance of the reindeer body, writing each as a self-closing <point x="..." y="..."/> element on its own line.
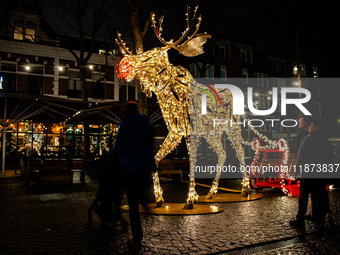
<point x="172" y="86"/>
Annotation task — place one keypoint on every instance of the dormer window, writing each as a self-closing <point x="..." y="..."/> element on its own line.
<point x="30" y="31"/>
<point x="18" y="30"/>
<point x="22" y="31"/>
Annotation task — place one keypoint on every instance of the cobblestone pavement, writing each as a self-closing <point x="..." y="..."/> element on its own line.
<point x="53" y="220"/>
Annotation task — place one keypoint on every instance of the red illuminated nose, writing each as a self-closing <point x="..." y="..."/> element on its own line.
<point x="124" y="68"/>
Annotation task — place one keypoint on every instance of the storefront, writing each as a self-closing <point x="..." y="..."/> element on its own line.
<point x="58" y="139"/>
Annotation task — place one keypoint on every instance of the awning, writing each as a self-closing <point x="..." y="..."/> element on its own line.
<point x="39" y="108"/>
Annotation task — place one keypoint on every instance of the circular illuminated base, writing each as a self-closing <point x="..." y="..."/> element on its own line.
<point x="229" y="198"/>
<point x="176" y="209"/>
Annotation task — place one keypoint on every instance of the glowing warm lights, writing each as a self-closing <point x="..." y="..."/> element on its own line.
<point x="178" y="96"/>
<point x="171" y="86"/>
<point x="55" y="129"/>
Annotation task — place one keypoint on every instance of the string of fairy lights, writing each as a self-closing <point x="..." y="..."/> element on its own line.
<point x="281" y="145"/>
<point x="170" y="84"/>
<point x="179" y="96"/>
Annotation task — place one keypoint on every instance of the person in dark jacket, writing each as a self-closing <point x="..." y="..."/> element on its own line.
<point x="304" y="123"/>
<point x="315" y="149"/>
<point x="134" y="145"/>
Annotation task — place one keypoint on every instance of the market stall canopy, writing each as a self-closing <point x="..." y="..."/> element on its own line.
<point x="23" y="106"/>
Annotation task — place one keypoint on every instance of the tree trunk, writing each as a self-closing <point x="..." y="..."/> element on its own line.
<point x="82" y="76"/>
<point x="138" y="36"/>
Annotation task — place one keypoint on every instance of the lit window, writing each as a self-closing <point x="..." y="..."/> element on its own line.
<point x="96" y="76"/>
<point x="18" y="34"/>
<point x="30" y="34"/>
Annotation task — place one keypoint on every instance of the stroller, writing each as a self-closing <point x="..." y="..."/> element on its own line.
<point x="108" y="198"/>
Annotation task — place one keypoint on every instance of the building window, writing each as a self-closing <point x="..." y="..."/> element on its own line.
<point x="245" y="75"/>
<point x="131" y="91"/>
<point x="278" y="108"/>
<point x="98" y="91"/>
<point x="262" y="104"/>
<point x="318" y="109"/>
<point x="276" y="83"/>
<point x="317" y="89"/>
<point x="262" y="79"/>
<point x="246" y="54"/>
<point x="8" y="80"/>
<point x="18" y="30"/>
<point x="223" y="70"/>
<point x="209" y="72"/>
<point x="222" y="49"/>
<point x="265" y="127"/>
<point x="8" y="76"/>
<point x="194" y="70"/>
<point x="277" y="64"/>
<point x="36" y="69"/>
<point x="9" y="67"/>
<point x="122" y="90"/>
<point x="35" y="84"/>
<point x="74" y="85"/>
<point x="127" y="91"/>
<point x="18" y="33"/>
<point x="22" y="31"/>
<point x="277" y="126"/>
<point x="96" y="76"/>
<point x="219" y="50"/>
<point x="30" y="31"/>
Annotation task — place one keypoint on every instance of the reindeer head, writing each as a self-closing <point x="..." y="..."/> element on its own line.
<point x="153" y="65"/>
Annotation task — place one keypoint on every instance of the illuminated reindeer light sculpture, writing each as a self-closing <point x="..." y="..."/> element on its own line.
<point x="172" y="86"/>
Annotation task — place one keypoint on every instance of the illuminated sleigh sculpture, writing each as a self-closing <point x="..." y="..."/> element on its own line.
<point x="220" y="107"/>
<point x="280" y="178"/>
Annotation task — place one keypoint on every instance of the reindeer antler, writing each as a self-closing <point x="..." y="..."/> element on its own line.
<point x="192" y="46"/>
<point x="186" y="32"/>
<point x="121" y="45"/>
<point x="158" y="29"/>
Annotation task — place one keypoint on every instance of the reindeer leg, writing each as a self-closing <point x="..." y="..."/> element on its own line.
<point x="170" y="142"/>
<point x="216" y="144"/>
<point x="192" y="194"/>
<point x="234" y="133"/>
